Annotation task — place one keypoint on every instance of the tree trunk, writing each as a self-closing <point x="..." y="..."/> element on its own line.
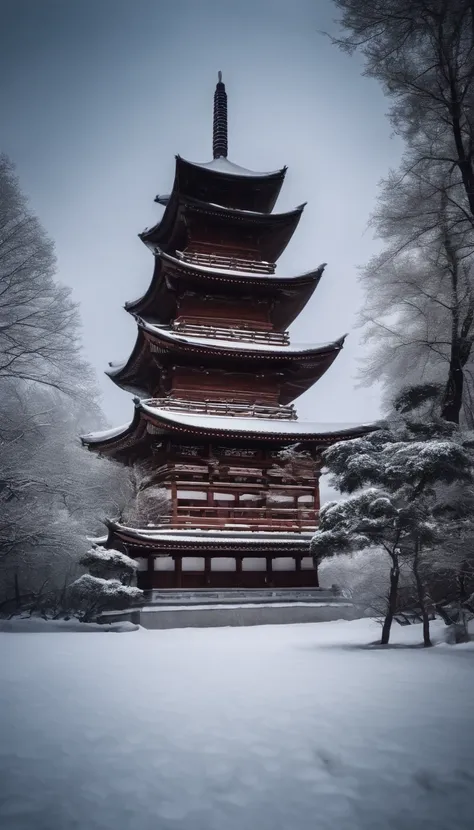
<point x="465" y="580"/>
<point x="420" y="590"/>
<point x="452" y="401"/>
<point x="392" y="601"/>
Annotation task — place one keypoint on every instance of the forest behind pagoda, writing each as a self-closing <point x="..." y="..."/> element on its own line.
<point x="53" y="494"/>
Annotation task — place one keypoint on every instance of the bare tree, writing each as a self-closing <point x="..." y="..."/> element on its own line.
<point x="420" y="310"/>
<point x="422" y="52"/>
<point x="52" y="493"/>
<point x="39" y="336"/>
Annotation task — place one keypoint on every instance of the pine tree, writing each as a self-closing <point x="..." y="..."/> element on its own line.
<point x="395" y="477"/>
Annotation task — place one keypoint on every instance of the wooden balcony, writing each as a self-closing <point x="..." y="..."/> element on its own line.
<point x="228" y="263"/>
<point x="248" y="518"/>
<point x="241" y="334"/>
<point x="231" y="408"/>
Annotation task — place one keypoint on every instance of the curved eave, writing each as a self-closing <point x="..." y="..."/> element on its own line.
<point x="226" y="183"/>
<point x="238" y="350"/>
<point x="290" y="293"/>
<point x="183" y="268"/>
<point x="288" y="217"/>
<point x="274" y="230"/>
<point x="248" y="429"/>
<point x="222" y="167"/>
<point x="117" y="442"/>
<point x="187" y="542"/>
<point x="132" y="375"/>
<point x="299" y="369"/>
<point x="162" y="231"/>
<point x="134" y="439"/>
<point x="240" y="188"/>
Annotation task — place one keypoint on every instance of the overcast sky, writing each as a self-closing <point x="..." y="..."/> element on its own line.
<point x="97" y="97"/>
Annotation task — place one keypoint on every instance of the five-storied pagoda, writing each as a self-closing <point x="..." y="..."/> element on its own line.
<point x="215" y="375"/>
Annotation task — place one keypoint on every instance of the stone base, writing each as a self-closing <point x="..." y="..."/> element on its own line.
<point x="208" y="609"/>
<point x="213" y="616"/>
<point x="233" y="596"/>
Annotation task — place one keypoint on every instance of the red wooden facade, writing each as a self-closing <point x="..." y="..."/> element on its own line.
<point x="215" y="375"/>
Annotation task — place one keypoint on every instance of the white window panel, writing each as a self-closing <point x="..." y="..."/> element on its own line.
<point x="164" y="563"/>
<point x="193" y="563"/>
<point x="223" y="563"/>
<point x="192" y="494"/>
<point x="142" y="563"/>
<point x="284" y="563"/>
<point x="254" y="563"/>
<point x="307" y="563"/>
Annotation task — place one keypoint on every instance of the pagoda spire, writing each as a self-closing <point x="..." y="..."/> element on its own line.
<point x="219" y="132"/>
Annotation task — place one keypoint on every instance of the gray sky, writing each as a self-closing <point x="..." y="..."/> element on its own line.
<point x="97" y="96"/>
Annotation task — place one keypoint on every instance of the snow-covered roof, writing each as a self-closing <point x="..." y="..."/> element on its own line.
<point x="239" y="345"/>
<point x="205" y="269"/>
<point x="228" y="168"/>
<point x="256" y="426"/>
<point x="238" y="537"/>
<point x="104" y="435"/>
<point x="199" y="205"/>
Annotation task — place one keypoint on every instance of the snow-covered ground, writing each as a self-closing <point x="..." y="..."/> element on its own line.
<point x="275" y="727"/>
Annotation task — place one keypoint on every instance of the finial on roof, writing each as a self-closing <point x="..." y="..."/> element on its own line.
<point x="219" y="132"/>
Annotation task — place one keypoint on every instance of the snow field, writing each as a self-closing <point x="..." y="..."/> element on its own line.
<point x="230" y="728"/>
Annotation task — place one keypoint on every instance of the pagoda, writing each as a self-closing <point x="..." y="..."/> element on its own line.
<point x="214" y="377"/>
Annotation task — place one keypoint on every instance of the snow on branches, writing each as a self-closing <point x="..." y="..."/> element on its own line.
<point x="102" y="563"/>
<point x="93" y="595"/>
<point x="107" y="586"/>
<point x="397" y="478"/>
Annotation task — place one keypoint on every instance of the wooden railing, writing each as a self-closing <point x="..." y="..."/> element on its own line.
<point x="268" y="525"/>
<point x="269" y="517"/>
<point x="232" y="408"/>
<point x="229" y="263"/>
<point x="250" y="519"/>
<point x="243" y="334"/>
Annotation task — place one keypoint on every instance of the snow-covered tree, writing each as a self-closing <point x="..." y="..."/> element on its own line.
<point x="52" y="493"/>
<point x="418" y="315"/>
<point x="107" y="586"/>
<point x="149" y="501"/>
<point x="394" y="477"/>
<point x="421" y="52"/>
<point x="107" y="563"/>
<point x="92" y="595"/>
<point x="419" y="307"/>
<point x="39" y="325"/>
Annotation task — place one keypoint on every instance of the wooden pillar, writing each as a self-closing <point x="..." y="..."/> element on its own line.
<point x="316" y="575"/>
<point x="265" y="500"/>
<point x="208" y="512"/>
<point x="238" y="571"/>
<point x="150" y="571"/>
<point x="207" y="570"/>
<point x="174" y="503"/>
<point x="317" y="499"/>
<point x="178" y="571"/>
<point x="269" y="571"/>
<point x="297" y="563"/>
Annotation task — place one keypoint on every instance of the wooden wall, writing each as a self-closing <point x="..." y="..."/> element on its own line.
<point x="216" y="385"/>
